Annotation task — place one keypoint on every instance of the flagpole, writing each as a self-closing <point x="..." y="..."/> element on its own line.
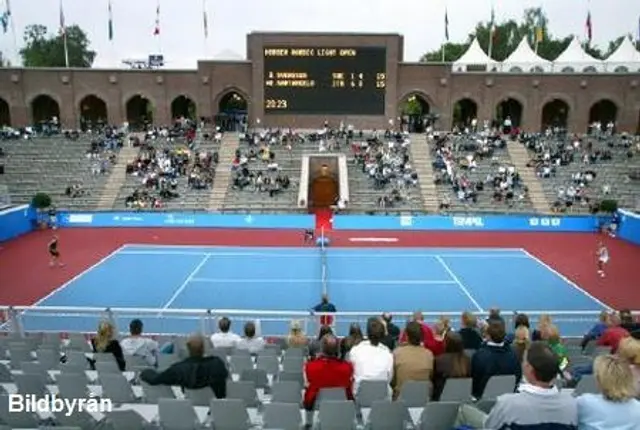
<point x="205" y="24"/>
<point x="159" y="34"/>
<point x="63" y="27"/>
<point x="446" y="34"/>
<point x="13" y="30"/>
<point x="491" y="31"/>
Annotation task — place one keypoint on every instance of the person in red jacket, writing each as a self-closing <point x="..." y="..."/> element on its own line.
<point x="327" y="371"/>
<point x="613" y="334"/>
<point x="436" y="346"/>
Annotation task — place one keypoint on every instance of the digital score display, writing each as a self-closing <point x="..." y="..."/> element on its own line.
<point x="325" y="81"/>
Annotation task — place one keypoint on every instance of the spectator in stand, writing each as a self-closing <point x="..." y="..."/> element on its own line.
<point x="316" y="345"/>
<point x="251" y="341"/>
<point x="627" y="322"/>
<point x="537" y="405"/>
<point x="105" y="342"/>
<point x="494" y="314"/>
<point x="325" y="306"/>
<point x="354" y="337"/>
<point x="596" y="331"/>
<point x="543" y="322"/>
<point x="138" y="345"/>
<point x="388" y="340"/>
<point x="521" y="342"/>
<point x="615" y="408"/>
<point x="552" y="335"/>
<point x="613" y="334"/>
<point x="327" y="371"/>
<point x="520" y="320"/>
<point x="296" y="338"/>
<point x="225" y="338"/>
<point x="194" y="372"/>
<point x="372" y="360"/>
<point x="471" y="337"/>
<point x="411" y="361"/>
<point x="392" y="329"/>
<point x="454" y="363"/>
<point x="428" y="338"/>
<point x="629" y="350"/>
<point x="493" y="358"/>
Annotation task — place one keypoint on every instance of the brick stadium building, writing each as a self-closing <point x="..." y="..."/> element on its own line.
<point x="28" y="96"/>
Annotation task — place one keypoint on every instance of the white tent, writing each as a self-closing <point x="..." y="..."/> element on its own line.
<point x="475" y="59"/>
<point x="624" y="59"/>
<point x="523" y="59"/>
<point x="575" y="59"/>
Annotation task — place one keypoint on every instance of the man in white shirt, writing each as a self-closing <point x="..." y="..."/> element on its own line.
<point x="372" y="361"/>
<point x="225" y="338"/>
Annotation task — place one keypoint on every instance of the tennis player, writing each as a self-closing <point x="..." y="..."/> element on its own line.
<point x="603" y="259"/>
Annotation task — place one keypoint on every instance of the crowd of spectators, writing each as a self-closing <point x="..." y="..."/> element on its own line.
<point x="534" y="365"/>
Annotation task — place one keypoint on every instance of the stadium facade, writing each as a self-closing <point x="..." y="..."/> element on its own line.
<point x="535" y="97"/>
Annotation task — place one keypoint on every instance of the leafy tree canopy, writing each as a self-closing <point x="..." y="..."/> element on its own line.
<point x="508" y="35"/>
<point x="44" y="50"/>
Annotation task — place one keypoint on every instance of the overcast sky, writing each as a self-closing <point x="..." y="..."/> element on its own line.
<point x="182" y="36"/>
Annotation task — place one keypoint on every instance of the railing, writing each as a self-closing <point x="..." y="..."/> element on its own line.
<point x="67" y="319"/>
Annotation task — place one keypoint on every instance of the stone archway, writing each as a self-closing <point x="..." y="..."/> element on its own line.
<point x="414" y="113"/>
<point x="44" y="108"/>
<point x="139" y="111"/>
<point x="512" y="109"/>
<point x="464" y="111"/>
<point x="183" y="107"/>
<point x="603" y="111"/>
<point x="555" y="113"/>
<point x="232" y="111"/>
<point x="93" y="110"/>
<point x="5" y="113"/>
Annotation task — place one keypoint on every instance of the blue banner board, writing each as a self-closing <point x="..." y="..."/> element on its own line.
<point x="178" y="219"/>
<point x="629" y="228"/>
<point x="468" y="223"/>
<point x="16" y="221"/>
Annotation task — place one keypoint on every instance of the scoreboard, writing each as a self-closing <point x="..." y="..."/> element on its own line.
<point x="329" y="80"/>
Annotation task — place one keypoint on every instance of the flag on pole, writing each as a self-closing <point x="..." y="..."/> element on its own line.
<point x="446" y="25"/>
<point x="205" y="21"/>
<point x="638" y="29"/>
<point x="156" y="30"/>
<point x="492" y="31"/>
<point x="5" y="19"/>
<point x="110" y="22"/>
<point x="63" y="33"/>
<point x="589" y="28"/>
<point x="63" y="27"/>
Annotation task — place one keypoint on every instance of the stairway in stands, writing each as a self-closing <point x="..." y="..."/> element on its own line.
<point x="118" y="177"/>
<point x="520" y="158"/>
<point x="324" y="219"/>
<point x="221" y="181"/>
<point x="423" y="166"/>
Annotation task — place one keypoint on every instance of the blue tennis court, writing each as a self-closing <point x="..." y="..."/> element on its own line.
<point x="165" y="282"/>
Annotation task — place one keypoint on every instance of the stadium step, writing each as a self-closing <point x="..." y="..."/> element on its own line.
<point x="423" y="166"/>
<point x="117" y="178"/>
<point x="222" y="178"/>
<point x="520" y="158"/>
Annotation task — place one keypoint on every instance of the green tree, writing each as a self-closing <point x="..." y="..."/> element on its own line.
<point x="44" y="50"/>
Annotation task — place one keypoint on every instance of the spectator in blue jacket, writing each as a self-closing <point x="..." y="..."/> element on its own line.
<point x="596" y="331"/>
<point x="495" y="357"/>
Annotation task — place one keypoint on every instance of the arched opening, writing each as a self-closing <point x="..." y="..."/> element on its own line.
<point x="621" y="69"/>
<point x="515" y="69"/>
<point x="93" y="110"/>
<point x="464" y="111"/>
<point x="590" y="69"/>
<point x="512" y="109"/>
<point x="139" y="112"/>
<point x="183" y="107"/>
<point x="44" y="108"/>
<point x="324" y="190"/>
<point x="414" y="111"/>
<point x="555" y="113"/>
<point x="232" y="112"/>
<point x="5" y="114"/>
<point x="568" y="70"/>
<point x="604" y="112"/>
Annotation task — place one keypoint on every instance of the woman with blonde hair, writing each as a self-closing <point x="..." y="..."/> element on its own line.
<point x="296" y="338"/>
<point x="616" y="408"/>
<point x="629" y="350"/>
<point x="521" y="341"/>
<point x="543" y="323"/>
<point x="105" y="342"/>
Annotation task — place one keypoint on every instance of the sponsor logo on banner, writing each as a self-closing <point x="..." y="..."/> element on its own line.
<point x="544" y="222"/>
<point x="406" y="221"/>
<point x="179" y="220"/>
<point x="130" y="219"/>
<point x="80" y="219"/>
<point x="466" y="221"/>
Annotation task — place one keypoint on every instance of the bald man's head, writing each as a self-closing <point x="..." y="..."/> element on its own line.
<point x="195" y="345"/>
<point x="330" y="345"/>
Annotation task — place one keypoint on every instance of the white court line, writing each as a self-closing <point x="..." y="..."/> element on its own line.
<point x="81" y="274"/>
<point x="565" y="279"/>
<point x="305" y="281"/>
<point x="378" y="254"/>
<point x="186" y="282"/>
<point x="295" y="248"/>
<point x="460" y="284"/>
